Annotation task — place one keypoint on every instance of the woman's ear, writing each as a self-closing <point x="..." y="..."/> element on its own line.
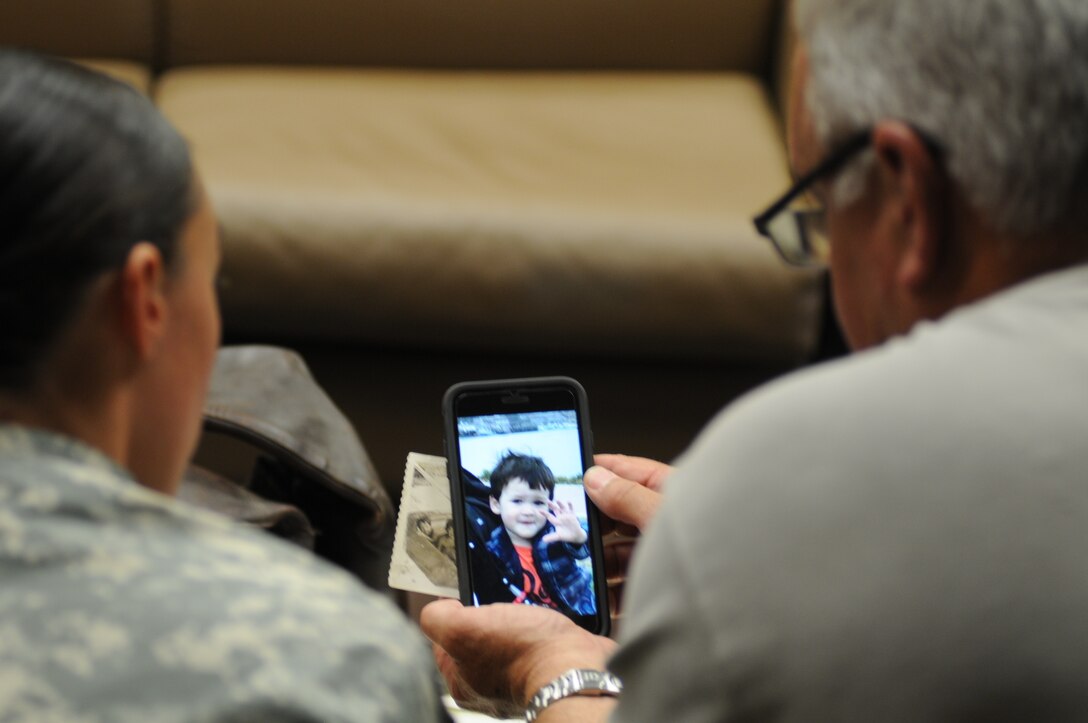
<point x="143" y="298"/>
<point x="917" y="186"/>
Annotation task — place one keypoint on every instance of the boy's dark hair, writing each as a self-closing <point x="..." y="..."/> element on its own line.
<point x="88" y="168"/>
<point x="530" y="469"/>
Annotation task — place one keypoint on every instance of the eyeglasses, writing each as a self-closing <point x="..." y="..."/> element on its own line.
<point x="796" y="222"/>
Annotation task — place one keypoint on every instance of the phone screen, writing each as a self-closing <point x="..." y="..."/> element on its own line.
<point x="530" y="535"/>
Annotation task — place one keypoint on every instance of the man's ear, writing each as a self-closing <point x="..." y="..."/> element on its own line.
<point x="143" y="298"/>
<point x="917" y="187"/>
<point x="494" y="505"/>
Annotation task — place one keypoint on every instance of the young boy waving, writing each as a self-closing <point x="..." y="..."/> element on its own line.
<point x="533" y="554"/>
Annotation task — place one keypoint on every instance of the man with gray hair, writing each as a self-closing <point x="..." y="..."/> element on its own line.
<point x="897" y="536"/>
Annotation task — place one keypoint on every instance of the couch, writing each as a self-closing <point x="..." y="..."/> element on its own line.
<point x="415" y="193"/>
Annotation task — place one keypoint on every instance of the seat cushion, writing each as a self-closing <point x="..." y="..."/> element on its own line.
<point x="607" y="213"/>
<point x="135" y="74"/>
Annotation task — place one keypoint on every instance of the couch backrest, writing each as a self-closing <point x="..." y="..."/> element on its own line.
<point x="119" y="29"/>
<point x="486" y="34"/>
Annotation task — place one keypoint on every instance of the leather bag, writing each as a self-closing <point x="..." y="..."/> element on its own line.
<point x="312" y="481"/>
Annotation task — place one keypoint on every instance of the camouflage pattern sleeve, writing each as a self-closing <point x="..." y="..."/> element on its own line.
<point x="120" y="604"/>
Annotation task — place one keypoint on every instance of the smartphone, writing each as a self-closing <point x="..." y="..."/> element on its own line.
<point x="526" y="532"/>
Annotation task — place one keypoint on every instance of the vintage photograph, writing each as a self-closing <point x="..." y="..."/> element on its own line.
<point x="430" y="544"/>
<point x="424" y="559"/>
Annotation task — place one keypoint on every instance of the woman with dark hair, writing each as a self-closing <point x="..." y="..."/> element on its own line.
<point x="116" y="600"/>
<point x="108" y="256"/>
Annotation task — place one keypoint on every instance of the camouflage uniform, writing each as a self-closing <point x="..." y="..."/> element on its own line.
<point x="120" y="604"/>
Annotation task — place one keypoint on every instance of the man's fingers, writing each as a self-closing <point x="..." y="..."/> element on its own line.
<point x="464" y="694"/>
<point x="459" y="690"/>
<point x="462" y="637"/>
<point x="437" y="620"/>
<point x="447" y="666"/>
<point x="647" y="472"/>
<point x="621" y="499"/>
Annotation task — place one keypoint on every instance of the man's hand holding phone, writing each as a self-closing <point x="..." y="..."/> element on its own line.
<point x="495" y="657"/>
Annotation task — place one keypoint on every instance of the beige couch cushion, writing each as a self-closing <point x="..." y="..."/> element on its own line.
<point x="600" y="213"/>
<point x="483" y="34"/>
<point x="136" y="75"/>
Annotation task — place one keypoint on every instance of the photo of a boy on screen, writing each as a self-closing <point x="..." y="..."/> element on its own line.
<point x="532" y="554"/>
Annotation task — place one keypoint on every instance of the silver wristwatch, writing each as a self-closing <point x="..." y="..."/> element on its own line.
<point x="576" y="681"/>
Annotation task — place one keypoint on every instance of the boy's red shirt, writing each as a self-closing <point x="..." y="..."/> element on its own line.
<point x="532" y="588"/>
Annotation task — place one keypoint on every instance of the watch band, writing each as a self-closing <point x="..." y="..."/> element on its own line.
<point x="576" y="681"/>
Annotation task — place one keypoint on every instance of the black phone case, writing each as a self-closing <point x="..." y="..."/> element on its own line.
<point x="453" y="467"/>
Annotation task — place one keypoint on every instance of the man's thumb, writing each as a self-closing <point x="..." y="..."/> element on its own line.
<point x="621" y="499"/>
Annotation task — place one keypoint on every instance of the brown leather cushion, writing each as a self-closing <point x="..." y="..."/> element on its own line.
<point x="591" y="212"/>
<point x="512" y="34"/>
<point x="121" y="29"/>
